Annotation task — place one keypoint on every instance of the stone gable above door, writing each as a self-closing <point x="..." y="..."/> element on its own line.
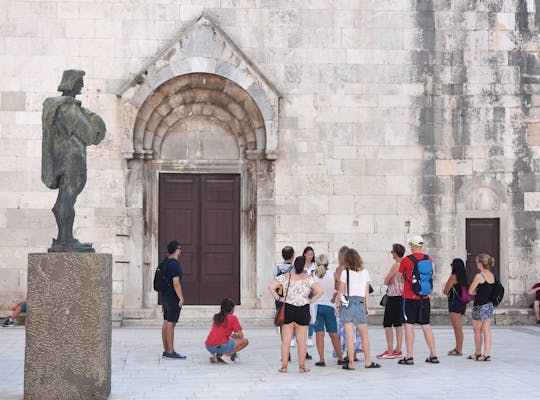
<point x="202" y="47"/>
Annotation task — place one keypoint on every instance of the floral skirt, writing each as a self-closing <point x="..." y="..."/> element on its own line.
<point x="341" y="333"/>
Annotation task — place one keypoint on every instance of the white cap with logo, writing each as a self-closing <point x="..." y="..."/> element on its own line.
<point x="416" y="240"/>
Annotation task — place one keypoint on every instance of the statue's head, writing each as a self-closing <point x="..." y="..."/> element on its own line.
<point x="72" y="82"/>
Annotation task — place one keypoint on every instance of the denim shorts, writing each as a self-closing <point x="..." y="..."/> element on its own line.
<point x="355" y="313"/>
<point x="222" y="348"/>
<point x="326" y="316"/>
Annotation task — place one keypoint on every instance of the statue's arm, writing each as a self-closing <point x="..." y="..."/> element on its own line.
<point x="82" y="123"/>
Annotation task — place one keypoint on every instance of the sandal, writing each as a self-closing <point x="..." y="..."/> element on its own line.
<point x="454" y="353"/>
<point x="303" y="369"/>
<point x="346" y="366"/>
<point x="374" y="365"/>
<point x="484" y="358"/>
<point x="474" y="357"/>
<point x="320" y="364"/>
<point x="406" y="361"/>
<point x="432" y="360"/>
<point x="282" y="369"/>
<point x="346" y="359"/>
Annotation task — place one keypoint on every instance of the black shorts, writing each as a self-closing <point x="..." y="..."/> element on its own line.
<point x="416" y="311"/>
<point x="298" y="314"/>
<point x="456" y="306"/>
<point x="393" y="315"/>
<point x="171" y="313"/>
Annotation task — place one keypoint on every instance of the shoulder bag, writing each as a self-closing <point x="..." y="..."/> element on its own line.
<point x="279" y="317"/>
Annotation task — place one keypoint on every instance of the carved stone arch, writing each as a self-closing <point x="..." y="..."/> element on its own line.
<point x="201" y="75"/>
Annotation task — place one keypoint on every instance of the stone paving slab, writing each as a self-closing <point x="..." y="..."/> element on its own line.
<point x="138" y="372"/>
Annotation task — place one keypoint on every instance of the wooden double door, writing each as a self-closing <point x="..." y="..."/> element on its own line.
<point x="202" y="212"/>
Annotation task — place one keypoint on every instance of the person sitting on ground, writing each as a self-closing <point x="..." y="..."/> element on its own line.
<point x="456" y="308"/>
<point x="297" y="315"/>
<point x="225" y="338"/>
<point x="394" y="302"/>
<point x="16" y="310"/>
<point x="326" y="316"/>
<point x="536" y="304"/>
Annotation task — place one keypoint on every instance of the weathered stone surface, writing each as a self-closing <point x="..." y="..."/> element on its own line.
<point x="68" y="327"/>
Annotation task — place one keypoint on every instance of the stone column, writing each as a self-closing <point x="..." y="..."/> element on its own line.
<point x="68" y="328"/>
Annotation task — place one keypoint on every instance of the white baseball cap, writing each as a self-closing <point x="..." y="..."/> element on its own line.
<point x="416" y="240"/>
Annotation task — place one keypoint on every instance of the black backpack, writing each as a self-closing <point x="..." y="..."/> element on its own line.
<point x="497" y="293"/>
<point x="161" y="281"/>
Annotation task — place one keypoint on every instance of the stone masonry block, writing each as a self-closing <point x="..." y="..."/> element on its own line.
<point x="13" y="101"/>
<point x="453" y="167"/>
<point x="68" y="329"/>
<point x="533" y="134"/>
<point x="532" y="201"/>
<point x="357" y="185"/>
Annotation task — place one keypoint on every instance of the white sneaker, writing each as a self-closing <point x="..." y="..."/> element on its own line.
<point x="227" y="360"/>
<point x="309" y="342"/>
<point x="293" y="342"/>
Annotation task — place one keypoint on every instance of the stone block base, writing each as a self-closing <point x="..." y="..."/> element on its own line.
<point x="68" y="327"/>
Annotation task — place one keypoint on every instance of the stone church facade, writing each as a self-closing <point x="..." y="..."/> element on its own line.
<point x="241" y="126"/>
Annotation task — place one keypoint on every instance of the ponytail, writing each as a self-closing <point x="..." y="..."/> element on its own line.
<point x="486" y="260"/>
<point x="227" y="306"/>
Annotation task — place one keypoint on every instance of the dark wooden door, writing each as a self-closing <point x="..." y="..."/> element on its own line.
<point x="202" y="212"/>
<point x="482" y="237"/>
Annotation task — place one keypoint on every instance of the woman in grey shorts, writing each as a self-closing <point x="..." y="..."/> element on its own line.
<point x="481" y="288"/>
<point x="355" y="313"/>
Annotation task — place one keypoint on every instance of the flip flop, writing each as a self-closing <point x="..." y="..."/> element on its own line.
<point x="474" y="357"/>
<point x="282" y="370"/>
<point x="483" y="358"/>
<point x="373" y="365"/>
<point x="346" y="366"/>
<point x="432" y="360"/>
<point x="320" y="364"/>
<point x="303" y="370"/>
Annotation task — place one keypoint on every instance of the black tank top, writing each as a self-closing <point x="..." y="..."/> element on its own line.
<point x="483" y="293"/>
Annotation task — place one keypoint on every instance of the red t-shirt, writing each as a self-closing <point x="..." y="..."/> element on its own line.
<point x="538" y="291"/>
<point x="220" y="334"/>
<point x="406" y="267"/>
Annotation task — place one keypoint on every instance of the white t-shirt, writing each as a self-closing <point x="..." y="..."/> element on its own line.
<point x="327" y="285"/>
<point x="358" y="281"/>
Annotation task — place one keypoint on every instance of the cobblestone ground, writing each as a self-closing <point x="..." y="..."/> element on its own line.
<point x="138" y="372"/>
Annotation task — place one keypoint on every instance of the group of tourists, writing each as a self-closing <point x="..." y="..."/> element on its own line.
<point x="308" y="293"/>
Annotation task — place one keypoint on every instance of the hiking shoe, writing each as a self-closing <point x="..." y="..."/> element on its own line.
<point x="175" y="356"/>
<point x="8" y="323"/>
<point x="397" y="353"/>
<point x="227" y="360"/>
<point x="387" y="354"/>
<point x="164" y="355"/>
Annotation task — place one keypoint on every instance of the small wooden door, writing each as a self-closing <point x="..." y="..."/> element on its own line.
<point x="202" y="212"/>
<point x="482" y="237"/>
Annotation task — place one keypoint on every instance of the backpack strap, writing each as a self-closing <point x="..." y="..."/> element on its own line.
<point x="347" y="282"/>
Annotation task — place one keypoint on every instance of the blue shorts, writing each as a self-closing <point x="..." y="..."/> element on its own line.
<point x="326" y="316"/>
<point x="355" y="313"/>
<point x="23" y="306"/>
<point x="222" y="348"/>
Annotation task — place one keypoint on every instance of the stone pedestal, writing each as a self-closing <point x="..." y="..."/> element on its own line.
<point x="68" y="327"/>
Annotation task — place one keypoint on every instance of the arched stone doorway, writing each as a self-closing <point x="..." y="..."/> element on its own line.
<point x="200" y="107"/>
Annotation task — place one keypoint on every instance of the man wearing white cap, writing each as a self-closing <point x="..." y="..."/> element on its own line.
<point x="417" y="270"/>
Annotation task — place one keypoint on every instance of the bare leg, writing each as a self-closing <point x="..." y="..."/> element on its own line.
<point x="169" y="333"/>
<point x="164" y="336"/>
<point x="537" y="309"/>
<point x="430" y="339"/>
<point x="319" y="339"/>
<point x="286" y="337"/>
<point x="362" y="329"/>
<point x="486" y="331"/>
<point x="16" y="311"/>
<point x="409" y="339"/>
<point x="389" y="338"/>
<point x="477" y="328"/>
<point x="239" y="344"/>
<point x="301" y="341"/>
<point x="399" y="338"/>
<point x="348" y="327"/>
<point x="456" y="319"/>
<point x="337" y="345"/>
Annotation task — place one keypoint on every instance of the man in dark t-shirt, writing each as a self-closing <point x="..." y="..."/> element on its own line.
<point x="172" y="300"/>
<point x="536" y="305"/>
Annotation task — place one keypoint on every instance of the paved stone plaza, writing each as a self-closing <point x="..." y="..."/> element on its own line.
<point x="139" y="372"/>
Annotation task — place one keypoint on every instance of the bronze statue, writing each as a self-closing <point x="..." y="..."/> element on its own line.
<point x="67" y="129"/>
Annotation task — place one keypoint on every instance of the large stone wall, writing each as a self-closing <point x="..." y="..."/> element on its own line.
<point x="396" y="117"/>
